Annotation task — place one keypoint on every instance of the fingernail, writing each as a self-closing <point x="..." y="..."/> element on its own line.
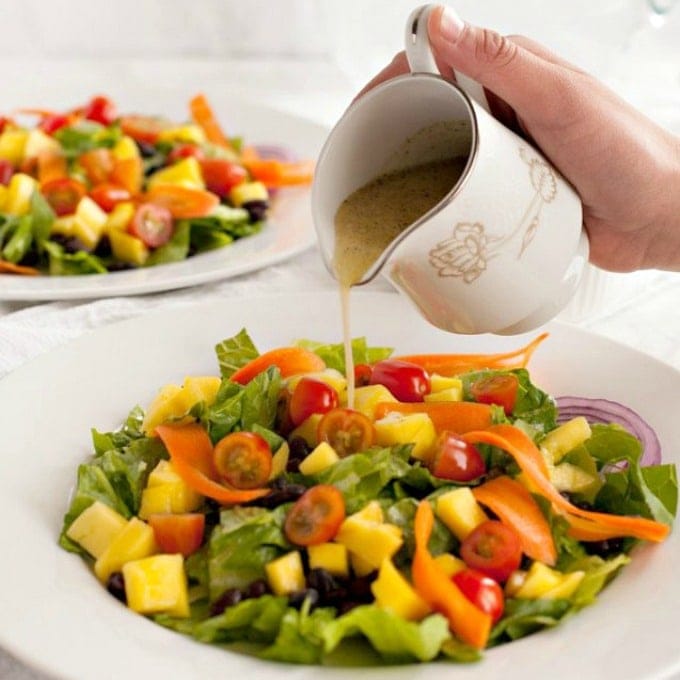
<point x="450" y="25"/>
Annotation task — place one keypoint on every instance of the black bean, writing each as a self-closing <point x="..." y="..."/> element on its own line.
<point x="297" y="599"/>
<point x="360" y="588"/>
<point x="284" y="494"/>
<point x="257" y="589"/>
<point x="298" y="451"/>
<point x="257" y="210"/>
<point x="322" y="581"/>
<point x="606" y="548"/>
<point x="227" y="599"/>
<point x="116" y="586"/>
<point x="103" y="248"/>
<point x="146" y="150"/>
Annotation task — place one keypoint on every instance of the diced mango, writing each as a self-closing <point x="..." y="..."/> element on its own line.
<point x="280" y="461"/>
<point x="571" y="478"/>
<point x="163" y="473"/>
<point x="38" y="142"/>
<point x="120" y="217"/>
<point x="3" y="197"/>
<point x="184" y="173"/>
<point x="372" y="541"/>
<point x="12" y="145"/>
<point x="439" y="383"/>
<point x="162" y="408"/>
<point x="189" y="134"/>
<point x="322" y="457"/>
<point x="96" y="527"/>
<point x="459" y="511"/>
<point x="449" y="563"/>
<point x="449" y="394"/>
<point x="135" y="541"/>
<point x="371" y="512"/>
<point x="125" y="149"/>
<point x="248" y="191"/>
<point x="360" y="567"/>
<point x="63" y="225"/>
<point x="307" y="430"/>
<point x="539" y="581"/>
<point x="411" y="428"/>
<point x="156" y="585"/>
<point x="394" y="593"/>
<point x="368" y="397"/>
<point x="330" y="376"/>
<point x="285" y="575"/>
<point x="168" y="498"/>
<point x="570" y="582"/>
<point x="19" y="193"/>
<point x="201" y="388"/>
<point x="565" y="438"/>
<point x="332" y="557"/>
<point x="90" y="221"/>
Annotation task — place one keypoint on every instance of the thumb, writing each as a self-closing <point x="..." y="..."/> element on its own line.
<point x="520" y="77"/>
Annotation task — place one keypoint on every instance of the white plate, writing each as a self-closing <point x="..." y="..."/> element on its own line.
<point x="288" y="231"/>
<point x="56" y="616"/>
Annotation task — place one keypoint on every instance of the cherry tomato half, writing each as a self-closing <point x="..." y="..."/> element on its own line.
<point x="243" y="460"/>
<point x="6" y="171"/>
<point x="178" y="533"/>
<point x="407" y="382"/>
<point x="101" y="110"/>
<point x="53" y="122"/>
<point x="492" y="548"/>
<point x="182" y="151"/>
<point x="98" y="165"/>
<point x="152" y="224"/>
<point x="456" y="459"/>
<point x="482" y="591"/>
<point x="500" y="389"/>
<point x="221" y="176"/>
<point x="347" y="431"/>
<point x="316" y="516"/>
<point x="311" y="396"/>
<point x="63" y="194"/>
<point x="107" y="195"/>
<point x="362" y="375"/>
<point x="143" y="128"/>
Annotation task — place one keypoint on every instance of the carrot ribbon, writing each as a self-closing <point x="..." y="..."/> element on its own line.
<point x="454" y="416"/>
<point x="289" y="361"/>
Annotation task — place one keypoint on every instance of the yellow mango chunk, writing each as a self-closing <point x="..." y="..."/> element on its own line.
<point x="449" y="394"/>
<point x="63" y="225"/>
<point x="125" y="149"/>
<point x="307" y="430"/>
<point x="280" y="461"/>
<point x="248" y="191"/>
<point x="371" y="512"/>
<point x="12" y="145"/>
<point x="163" y="473"/>
<point x="565" y="438"/>
<point x="449" y="563"/>
<point x="184" y="173"/>
<point x="539" y="580"/>
<point x="90" y="221"/>
<point x="322" y="457"/>
<point x="332" y="557"/>
<point x="570" y="582"/>
<point x="411" y="428"/>
<point x="96" y="527"/>
<point x="157" y="585"/>
<point x="360" y="567"/>
<point x="285" y="575"/>
<point x="189" y="134"/>
<point x="19" y="193"/>
<point x="439" y="383"/>
<point x="128" y="248"/>
<point x="394" y="593"/>
<point x="329" y="376"/>
<point x="366" y="399"/>
<point x="175" y="498"/>
<point x="135" y="541"/>
<point x="371" y="541"/>
<point x="568" y="477"/>
<point x="3" y="196"/>
<point x="120" y="217"/>
<point x="459" y="511"/>
<point x="38" y="142"/>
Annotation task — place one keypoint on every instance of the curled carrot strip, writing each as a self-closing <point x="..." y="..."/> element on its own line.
<point x="454" y="416"/>
<point x="289" y="360"/>
<point x="11" y="268"/>
<point x="203" y="115"/>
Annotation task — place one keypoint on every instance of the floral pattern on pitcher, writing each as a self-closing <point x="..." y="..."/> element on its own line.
<point x="467" y="252"/>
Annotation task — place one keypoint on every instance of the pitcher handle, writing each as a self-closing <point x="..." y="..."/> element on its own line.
<point x="421" y="60"/>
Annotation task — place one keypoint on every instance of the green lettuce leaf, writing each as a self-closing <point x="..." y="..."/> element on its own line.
<point x="175" y="250"/>
<point x="235" y="352"/>
<point x="598" y="572"/>
<point x="85" y="136"/>
<point x="20" y="241"/>
<point x="43" y="218"/>
<point x="334" y="354"/>
<point x="62" y="263"/>
<point x="523" y="617"/>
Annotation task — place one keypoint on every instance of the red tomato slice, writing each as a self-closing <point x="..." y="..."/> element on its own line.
<point x="311" y="396"/>
<point x="362" y="375"/>
<point x="492" y="548"/>
<point x="183" y="202"/>
<point x="152" y="224"/>
<point x="63" y="194"/>
<point x="53" y="122"/>
<point x="347" y="431"/>
<point x="101" y="110"/>
<point x="500" y="389"/>
<point x="181" y="533"/>
<point x="107" y="195"/>
<point x="6" y="171"/>
<point x="243" y="459"/>
<point x="407" y="382"/>
<point x="482" y="591"/>
<point x="456" y="459"/>
<point x="144" y="128"/>
<point x="221" y="176"/>
<point x="98" y="165"/>
<point x="182" y="151"/>
<point x="316" y="516"/>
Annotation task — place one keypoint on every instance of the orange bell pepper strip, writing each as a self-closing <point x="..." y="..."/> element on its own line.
<point x="203" y="115"/>
<point x="455" y="364"/>
<point x="466" y="621"/>
<point x="11" y="268"/>
<point x="274" y="173"/>
<point x="289" y="361"/>
<point x="530" y="460"/>
<point x="454" y="416"/>
<point x="514" y="506"/>
<point x="191" y="453"/>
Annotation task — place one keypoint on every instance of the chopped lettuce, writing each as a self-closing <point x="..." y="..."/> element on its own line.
<point x="175" y="250"/>
<point x="334" y="354"/>
<point x="523" y="617"/>
<point x="72" y="264"/>
<point x="235" y="352"/>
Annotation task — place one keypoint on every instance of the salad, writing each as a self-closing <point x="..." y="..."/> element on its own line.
<point x="455" y="507"/>
<point x="90" y="191"/>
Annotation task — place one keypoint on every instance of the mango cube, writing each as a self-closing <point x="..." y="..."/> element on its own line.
<point x="322" y="457"/>
<point x="201" y="388"/>
<point x="175" y="498"/>
<point x="371" y="541"/>
<point x="189" y="134"/>
<point x="12" y="145"/>
<point x="90" y="221"/>
<point x="127" y="248"/>
<point x="367" y="398"/>
<point x="157" y="585"/>
<point x="96" y="527"/>
<point x="280" y="461"/>
<point x="360" y="567"/>
<point x="63" y="225"/>
<point x="135" y="541"/>
<point x="163" y="473"/>
<point x="285" y="575"/>
<point x="307" y="430"/>
<point x="449" y="564"/>
<point x="543" y="582"/>
<point x="125" y="149"/>
<point x="371" y="512"/>
<point x="38" y="142"/>
<point x="565" y="438"/>
<point x="439" y="383"/>
<point x="332" y="557"/>
<point x="449" y="394"/>
<point x="184" y="173"/>
<point x="394" y="593"/>
<point x="412" y="428"/>
<point x="120" y="217"/>
<point x="563" y="591"/>
<point x="248" y="191"/>
<point x="460" y="512"/>
<point x="19" y="193"/>
<point x="572" y="478"/>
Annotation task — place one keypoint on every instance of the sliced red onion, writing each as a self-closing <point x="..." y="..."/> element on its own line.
<point x="605" y="412"/>
<point x="279" y="153"/>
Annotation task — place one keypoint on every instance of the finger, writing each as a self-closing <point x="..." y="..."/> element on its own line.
<point x="398" y="66"/>
<point x="541" y="51"/>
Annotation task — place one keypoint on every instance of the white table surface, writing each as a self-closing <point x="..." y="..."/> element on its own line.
<point x="641" y="310"/>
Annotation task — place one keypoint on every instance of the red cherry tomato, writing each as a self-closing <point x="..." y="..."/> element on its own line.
<point x="347" y="431"/>
<point x="243" y="460"/>
<point x="406" y="381"/>
<point x="221" y="176"/>
<point x="4" y="121"/>
<point x="101" y="110"/>
<point x="107" y="195"/>
<point x="152" y="224"/>
<point x="143" y="128"/>
<point x="492" y="548"/>
<point x="500" y="389"/>
<point x="482" y="591"/>
<point x="63" y="194"/>
<point x="53" y="122"/>
<point x="6" y="171"/>
<point x="98" y="165"/>
<point x="316" y="516"/>
<point x="181" y="533"/>
<point x="456" y="459"/>
<point x="362" y="375"/>
<point x="182" y="151"/>
<point x="311" y="396"/>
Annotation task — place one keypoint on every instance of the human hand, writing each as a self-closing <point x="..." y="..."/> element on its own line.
<point x="625" y="168"/>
